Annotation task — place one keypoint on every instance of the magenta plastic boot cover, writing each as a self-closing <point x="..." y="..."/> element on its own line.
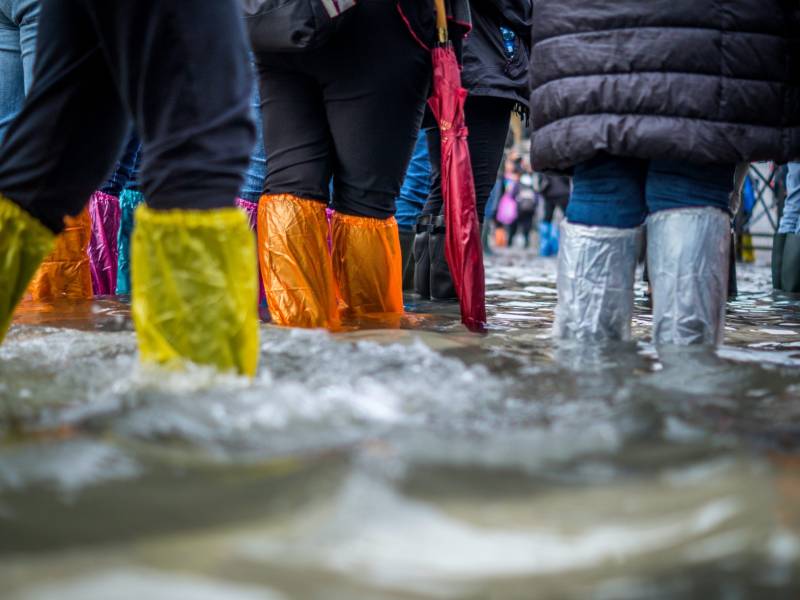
<point x="251" y="209"/>
<point x="105" y="215"/>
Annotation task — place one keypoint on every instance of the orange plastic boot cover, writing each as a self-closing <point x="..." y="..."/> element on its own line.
<point x="368" y="265"/>
<point x="295" y="262"/>
<point x="65" y="272"/>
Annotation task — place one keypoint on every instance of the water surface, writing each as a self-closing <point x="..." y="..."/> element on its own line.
<point x="409" y="463"/>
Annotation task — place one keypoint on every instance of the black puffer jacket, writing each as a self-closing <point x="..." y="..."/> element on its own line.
<point x="488" y="69"/>
<point x="697" y="80"/>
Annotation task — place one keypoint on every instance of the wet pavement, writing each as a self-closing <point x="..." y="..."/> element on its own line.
<point x="409" y="463"/>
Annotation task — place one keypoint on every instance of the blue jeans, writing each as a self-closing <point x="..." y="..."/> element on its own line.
<point x="790" y="221"/>
<point x="620" y="192"/>
<point x="126" y="172"/>
<point x="18" y="24"/>
<point x="257" y="170"/>
<point x="416" y="185"/>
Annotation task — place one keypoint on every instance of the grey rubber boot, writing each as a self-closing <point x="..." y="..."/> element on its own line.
<point x="688" y="253"/>
<point x="422" y="257"/>
<point x="596" y="272"/>
<point x="790" y="267"/>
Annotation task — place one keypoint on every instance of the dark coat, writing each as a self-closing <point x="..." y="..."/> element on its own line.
<point x="696" y="80"/>
<point x="488" y="70"/>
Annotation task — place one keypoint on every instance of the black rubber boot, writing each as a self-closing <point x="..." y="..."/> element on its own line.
<point x="422" y="257"/>
<point x="441" y="282"/>
<point x="486" y="230"/>
<point x="790" y="269"/>
<point x="733" y="284"/>
<point x="407" y="253"/>
<point x="778" y="243"/>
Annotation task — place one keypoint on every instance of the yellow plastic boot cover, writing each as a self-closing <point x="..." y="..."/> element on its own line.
<point x="195" y="288"/>
<point x="66" y="272"/>
<point x="295" y="262"/>
<point x="367" y="264"/>
<point x="24" y="242"/>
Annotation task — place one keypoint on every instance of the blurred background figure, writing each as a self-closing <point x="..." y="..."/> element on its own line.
<point x="657" y="139"/>
<point x="786" y="253"/>
<point x="555" y="190"/>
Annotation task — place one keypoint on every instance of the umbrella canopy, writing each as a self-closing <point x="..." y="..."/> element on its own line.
<point x="462" y="238"/>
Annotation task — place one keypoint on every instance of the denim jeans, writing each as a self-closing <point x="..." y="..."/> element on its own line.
<point x="257" y="169"/>
<point x="416" y="185"/>
<point x="620" y="192"/>
<point x="186" y="83"/>
<point x="790" y="221"/>
<point x="126" y="172"/>
<point x="18" y="23"/>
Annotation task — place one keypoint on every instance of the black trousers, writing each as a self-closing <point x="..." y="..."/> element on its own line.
<point x="178" y="69"/>
<point x="488" y="120"/>
<point x="348" y="112"/>
<point x="550" y="205"/>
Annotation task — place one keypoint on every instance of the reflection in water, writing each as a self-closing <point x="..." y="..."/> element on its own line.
<point x="405" y="460"/>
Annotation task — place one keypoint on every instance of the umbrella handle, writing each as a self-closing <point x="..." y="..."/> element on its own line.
<point x="441" y="21"/>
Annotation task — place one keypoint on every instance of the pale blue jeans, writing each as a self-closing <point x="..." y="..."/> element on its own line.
<point x="18" y="22"/>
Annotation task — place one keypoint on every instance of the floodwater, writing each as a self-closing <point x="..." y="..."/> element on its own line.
<point x="420" y="462"/>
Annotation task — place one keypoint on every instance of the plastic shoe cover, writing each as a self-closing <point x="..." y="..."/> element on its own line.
<point x="442" y="287"/>
<point x="367" y="264"/>
<point x="295" y="262"/>
<point x="422" y="257"/>
<point x="103" y="256"/>
<point x="544" y="238"/>
<point x="554" y="239"/>
<point x="195" y="288"/>
<point x="65" y="272"/>
<point x="251" y="210"/>
<point x="790" y="264"/>
<point x="24" y="242"/>
<point x="687" y="257"/>
<point x="129" y="200"/>
<point x="596" y="272"/>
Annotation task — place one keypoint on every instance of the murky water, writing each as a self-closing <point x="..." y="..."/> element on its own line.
<point x="421" y="462"/>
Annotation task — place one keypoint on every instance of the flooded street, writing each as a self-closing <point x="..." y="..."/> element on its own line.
<point x="410" y="463"/>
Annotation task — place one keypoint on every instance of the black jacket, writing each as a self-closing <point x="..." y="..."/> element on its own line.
<point x="488" y="69"/>
<point x="697" y="80"/>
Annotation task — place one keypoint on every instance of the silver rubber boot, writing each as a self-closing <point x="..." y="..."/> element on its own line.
<point x="688" y="252"/>
<point x="596" y="272"/>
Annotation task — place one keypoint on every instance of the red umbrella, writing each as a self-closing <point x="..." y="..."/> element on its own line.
<point x="462" y="238"/>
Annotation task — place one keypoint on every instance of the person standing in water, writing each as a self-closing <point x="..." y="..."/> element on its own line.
<point x="187" y="86"/>
<point x="651" y="106"/>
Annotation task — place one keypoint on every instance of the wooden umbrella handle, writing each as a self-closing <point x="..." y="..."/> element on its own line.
<point x="441" y="20"/>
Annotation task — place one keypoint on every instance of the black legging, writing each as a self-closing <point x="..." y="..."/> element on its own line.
<point x="487" y="120"/>
<point x="349" y="111"/>
<point x="180" y="70"/>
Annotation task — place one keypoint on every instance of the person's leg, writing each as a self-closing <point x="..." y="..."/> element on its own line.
<point x="374" y="113"/>
<point x="688" y="249"/>
<point x="599" y="247"/>
<point x="187" y="83"/>
<point x="12" y="80"/>
<point x="293" y="229"/>
<point x="26" y="15"/>
<point x="410" y="203"/>
<point x="106" y="216"/>
<point x="789" y="234"/>
<point x="487" y="120"/>
<point x="53" y="156"/>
